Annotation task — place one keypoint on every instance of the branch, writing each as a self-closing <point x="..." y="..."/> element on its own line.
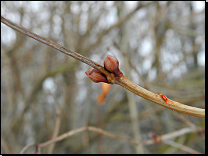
<point x="54" y="45"/>
<point x="124" y="82"/>
<point x="160" y="99"/>
<point x="163" y="138"/>
<point x="75" y="131"/>
<point x="90" y="128"/>
<point x="182" y="147"/>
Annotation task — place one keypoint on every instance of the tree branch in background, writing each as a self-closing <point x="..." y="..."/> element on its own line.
<point x="163" y="138"/>
<point x="124" y="82"/>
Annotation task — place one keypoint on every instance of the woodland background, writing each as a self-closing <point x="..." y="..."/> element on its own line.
<point x="44" y="93"/>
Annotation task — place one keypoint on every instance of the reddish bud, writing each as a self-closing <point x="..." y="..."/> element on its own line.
<point x="156" y="138"/>
<point x="112" y="65"/>
<point x="96" y="76"/>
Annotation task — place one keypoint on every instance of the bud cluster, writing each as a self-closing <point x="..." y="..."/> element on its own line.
<point x="111" y="64"/>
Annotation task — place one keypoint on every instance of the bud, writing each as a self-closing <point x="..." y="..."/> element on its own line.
<point x="111" y="64"/>
<point x="96" y="76"/>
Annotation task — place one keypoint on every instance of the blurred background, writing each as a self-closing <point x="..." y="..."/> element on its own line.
<point x="45" y="93"/>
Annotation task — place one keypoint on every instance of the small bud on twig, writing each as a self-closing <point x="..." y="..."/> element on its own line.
<point x="112" y="65"/>
<point x="96" y="76"/>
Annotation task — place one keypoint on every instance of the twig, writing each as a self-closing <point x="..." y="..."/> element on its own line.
<point x="124" y="82"/>
<point x="26" y="147"/>
<point x="169" y="136"/>
<point x="90" y="128"/>
<point x="57" y="123"/>
<point x="56" y="46"/>
<point x="165" y="102"/>
<point x="182" y="147"/>
<point x="162" y="138"/>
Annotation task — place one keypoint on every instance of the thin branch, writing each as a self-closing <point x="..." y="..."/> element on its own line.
<point x="182" y="147"/>
<point x="171" y="135"/>
<point x="163" y="138"/>
<point x="57" y="123"/>
<point x="124" y="82"/>
<point x="54" y="45"/>
<point x="119" y="23"/>
<point x="90" y="128"/>
<point x="26" y="147"/>
<point x="163" y="101"/>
